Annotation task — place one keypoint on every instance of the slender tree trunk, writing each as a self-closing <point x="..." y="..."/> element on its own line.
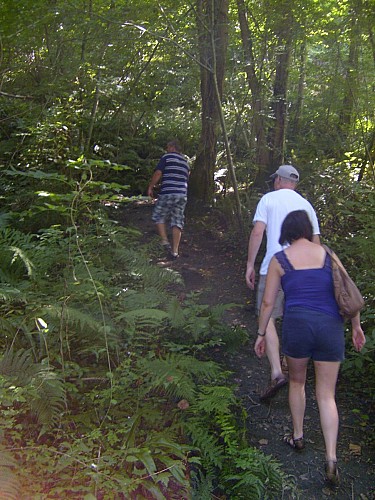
<point x="279" y="106"/>
<point x="350" y="92"/>
<point x="258" y="135"/>
<point x="212" y="20"/>
<point x="231" y="168"/>
<point x="298" y="108"/>
<point x="94" y="111"/>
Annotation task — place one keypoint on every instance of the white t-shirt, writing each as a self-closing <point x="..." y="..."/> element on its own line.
<point x="271" y="210"/>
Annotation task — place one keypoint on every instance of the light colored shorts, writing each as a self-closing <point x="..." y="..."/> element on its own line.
<point x="277" y="311"/>
<point x="170" y="207"/>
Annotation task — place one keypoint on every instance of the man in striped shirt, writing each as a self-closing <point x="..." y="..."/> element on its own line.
<point x="173" y="171"/>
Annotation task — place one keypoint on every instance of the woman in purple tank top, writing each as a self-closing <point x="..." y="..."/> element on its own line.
<point x="312" y="329"/>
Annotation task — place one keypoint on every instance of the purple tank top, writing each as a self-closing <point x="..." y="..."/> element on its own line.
<point x="310" y="288"/>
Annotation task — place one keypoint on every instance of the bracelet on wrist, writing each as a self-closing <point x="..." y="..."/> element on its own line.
<point x="260" y="334"/>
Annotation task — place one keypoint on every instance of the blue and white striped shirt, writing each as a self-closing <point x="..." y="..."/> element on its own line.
<point x="175" y="169"/>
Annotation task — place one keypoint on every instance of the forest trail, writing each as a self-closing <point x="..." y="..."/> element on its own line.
<point x="214" y="266"/>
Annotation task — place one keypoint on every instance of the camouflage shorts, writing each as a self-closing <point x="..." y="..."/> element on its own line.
<point x="170" y="207"/>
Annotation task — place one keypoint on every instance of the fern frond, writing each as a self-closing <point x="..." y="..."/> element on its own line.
<point x="212" y="451"/>
<point x="228" y="429"/>
<point x="215" y="399"/>
<point x="176" y="373"/>
<point x="12" y="237"/>
<point x="72" y="316"/>
<point x="5" y="218"/>
<point x="140" y="299"/>
<point x="9" y="484"/>
<point x="49" y="402"/>
<point x="144" y="318"/>
<point x="20" y="254"/>
<point x="9" y="481"/>
<point x="176" y="313"/>
<point x="19" y="366"/>
<point x="14" y="259"/>
<point x="7" y="325"/>
<point x="163" y="375"/>
<point x="45" y="392"/>
<point x="252" y="471"/>
<point x="7" y="292"/>
<point x="147" y="275"/>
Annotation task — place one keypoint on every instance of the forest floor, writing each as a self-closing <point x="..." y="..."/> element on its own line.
<point x="214" y="265"/>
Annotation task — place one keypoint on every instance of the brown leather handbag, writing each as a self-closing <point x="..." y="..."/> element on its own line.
<point x="348" y="297"/>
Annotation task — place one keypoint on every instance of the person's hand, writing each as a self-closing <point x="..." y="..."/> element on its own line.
<point x="358" y="337"/>
<point x="250" y="277"/>
<point x="260" y="346"/>
<point x="150" y="191"/>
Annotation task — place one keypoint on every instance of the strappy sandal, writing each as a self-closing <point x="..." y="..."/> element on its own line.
<point x="273" y="388"/>
<point x="332" y="472"/>
<point x="297" y="444"/>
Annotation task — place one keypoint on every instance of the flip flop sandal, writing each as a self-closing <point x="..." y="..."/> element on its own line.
<point x="274" y="388"/>
<point x="297" y="444"/>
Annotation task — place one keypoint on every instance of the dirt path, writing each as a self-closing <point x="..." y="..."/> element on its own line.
<point x="215" y="267"/>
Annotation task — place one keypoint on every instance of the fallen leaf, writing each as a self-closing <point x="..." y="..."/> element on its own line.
<point x="305" y="477"/>
<point x="355" y="449"/>
<point x="183" y="404"/>
<point x="328" y="492"/>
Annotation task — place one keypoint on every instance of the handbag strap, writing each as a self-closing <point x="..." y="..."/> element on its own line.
<point x="330" y="257"/>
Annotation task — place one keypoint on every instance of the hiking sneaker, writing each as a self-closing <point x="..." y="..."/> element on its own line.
<point x="166" y="246"/>
<point x="173" y="255"/>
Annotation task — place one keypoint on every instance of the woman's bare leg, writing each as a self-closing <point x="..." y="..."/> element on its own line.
<point x="273" y="350"/>
<point x="297" y="397"/>
<point x="325" y="385"/>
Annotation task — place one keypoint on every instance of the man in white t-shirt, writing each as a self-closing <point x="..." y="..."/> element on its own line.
<point x="271" y="211"/>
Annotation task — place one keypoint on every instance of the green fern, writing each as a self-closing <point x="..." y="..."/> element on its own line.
<point x="215" y="399"/>
<point x="140" y="270"/>
<point x="14" y="259"/>
<point x="19" y="367"/>
<point x="151" y="297"/>
<point x="176" y="374"/>
<point x="9" y="481"/>
<point x="144" y="318"/>
<point x="251" y="474"/>
<point x="74" y="317"/>
<point x="202" y="437"/>
<point x="44" y="392"/>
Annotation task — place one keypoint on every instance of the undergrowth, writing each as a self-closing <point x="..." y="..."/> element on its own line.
<point x="107" y="387"/>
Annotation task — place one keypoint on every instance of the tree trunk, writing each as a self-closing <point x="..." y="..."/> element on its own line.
<point x="298" y="108"/>
<point x="279" y="106"/>
<point x="258" y="142"/>
<point x="351" y="79"/>
<point x="212" y="21"/>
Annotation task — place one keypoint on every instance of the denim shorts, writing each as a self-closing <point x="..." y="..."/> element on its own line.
<point x="170" y="207"/>
<point x="278" y="309"/>
<point x="312" y="334"/>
